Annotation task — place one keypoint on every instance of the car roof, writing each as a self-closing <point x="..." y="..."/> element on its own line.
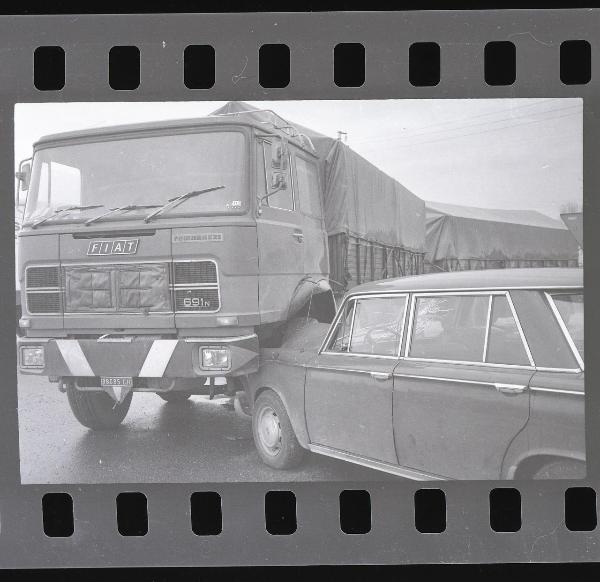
<point x="525" y="278"/>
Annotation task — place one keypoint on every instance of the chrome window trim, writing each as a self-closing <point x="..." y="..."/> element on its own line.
<point x="492" y="294"/>
<point x="565" y="370"/>
<point x="520" y="328"/>
<point x="564" y="328"/>
<point x="487" y="328"/>
<point x="355" y="298"/>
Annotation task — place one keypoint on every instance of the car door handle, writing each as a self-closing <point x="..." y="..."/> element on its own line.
<point x="298" y="235"/>
<point x="510" y="388"/>
<point x="381" y="375"/>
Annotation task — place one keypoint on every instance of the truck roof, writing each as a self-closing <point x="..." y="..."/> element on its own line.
<point x="114" y="131"/>
<point x="524" y="278"/>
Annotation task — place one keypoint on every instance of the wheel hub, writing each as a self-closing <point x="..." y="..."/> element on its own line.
<point x="269" y="430"/>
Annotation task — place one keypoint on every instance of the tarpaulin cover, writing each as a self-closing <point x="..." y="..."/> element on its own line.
<point x="359" y="199"/>
<point x="462" y="232"/>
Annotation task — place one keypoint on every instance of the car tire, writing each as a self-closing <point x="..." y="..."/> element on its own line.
<point x="96" y="409"/>
<point x="273" y="434"/>
<point x="177" y="397"/>
<point x="561" y="469"/>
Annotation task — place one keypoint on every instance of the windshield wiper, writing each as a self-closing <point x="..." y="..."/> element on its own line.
<point x="40" y="221"/>
<point x="125" y="208"/>
<point x="173" y="202"/>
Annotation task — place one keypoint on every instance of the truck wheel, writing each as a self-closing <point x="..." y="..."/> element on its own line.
<point x="174" y="397"/>
<point x="273" y="434"/>
<point x="97" y="410"/>
<point x="561" y="469"/>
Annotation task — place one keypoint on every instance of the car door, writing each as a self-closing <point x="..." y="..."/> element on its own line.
<point x="348" y="391"/>
<point x="280" y="239"/>
<point x="557" y="425"/>
<point x="308" y="191"/>
<point x="461" y="390"/>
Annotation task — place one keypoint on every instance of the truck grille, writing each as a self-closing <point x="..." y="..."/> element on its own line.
<point x="195" y="273"/>
<point x="43" y="277"/>
<point x="48" y="302"/>
<point x="196" y="286"/>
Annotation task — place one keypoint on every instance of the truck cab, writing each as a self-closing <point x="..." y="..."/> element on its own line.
<point x="160" y="256"/>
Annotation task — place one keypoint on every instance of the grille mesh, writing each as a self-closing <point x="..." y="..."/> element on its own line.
<point x="195" y="273"/>
<point x="43" y="277"/>
<point x="197" y="300"/>
<point x="43" y="302"/>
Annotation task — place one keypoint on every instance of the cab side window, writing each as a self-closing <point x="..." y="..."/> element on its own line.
<point x="283" y="199"/>
<point x="504" y="345"/>
<point x="450" y="327"/>
<point x="307" y="185"/>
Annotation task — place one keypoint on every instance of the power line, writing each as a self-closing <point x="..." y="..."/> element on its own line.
<point x="460" y="128"/>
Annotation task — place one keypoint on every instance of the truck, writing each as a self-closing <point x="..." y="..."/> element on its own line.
<point x="160" y="257"/>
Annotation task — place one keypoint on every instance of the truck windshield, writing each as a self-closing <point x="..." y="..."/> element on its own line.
<point x="139" y="171"/>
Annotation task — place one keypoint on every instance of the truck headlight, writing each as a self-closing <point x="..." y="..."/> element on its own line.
<point x="215" y="358"/>
<point x="32" y="357"/>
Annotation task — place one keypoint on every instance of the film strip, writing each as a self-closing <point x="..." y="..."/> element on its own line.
<point x="88" y="510"/>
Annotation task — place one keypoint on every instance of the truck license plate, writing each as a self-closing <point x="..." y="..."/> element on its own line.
<point x="125" y="381"/>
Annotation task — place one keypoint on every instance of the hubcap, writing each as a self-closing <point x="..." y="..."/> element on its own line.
<point x="269" y="430"/>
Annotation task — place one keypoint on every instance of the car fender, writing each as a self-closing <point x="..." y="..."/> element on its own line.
<point x="287" y="381"/>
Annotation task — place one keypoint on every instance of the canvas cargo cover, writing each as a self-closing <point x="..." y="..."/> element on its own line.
<point x="359" y="199"/>
<point x="462" y="232"/>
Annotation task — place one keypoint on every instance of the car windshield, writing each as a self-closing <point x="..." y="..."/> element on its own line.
<point x="139" y="171"/>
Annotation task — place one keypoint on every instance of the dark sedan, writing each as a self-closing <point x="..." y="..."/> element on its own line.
<point x="464" y="375"/>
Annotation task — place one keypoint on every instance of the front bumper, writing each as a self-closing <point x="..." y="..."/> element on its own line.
<point x="139" y="357"/>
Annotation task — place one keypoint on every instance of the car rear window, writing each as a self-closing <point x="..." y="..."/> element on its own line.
<point x="504" y="345"/>
<point x="570" y="308"/>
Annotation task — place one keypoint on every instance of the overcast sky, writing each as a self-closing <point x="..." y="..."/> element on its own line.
<point x="493" y="153"/>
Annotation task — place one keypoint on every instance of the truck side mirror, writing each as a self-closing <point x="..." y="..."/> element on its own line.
<point x="24" y="176"/>
<point x="279" y="156"/>
<point x="278" y="182"/>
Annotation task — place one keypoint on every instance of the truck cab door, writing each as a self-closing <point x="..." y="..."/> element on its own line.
<point x="280" y="239"/>
<point x="308" y="193"/>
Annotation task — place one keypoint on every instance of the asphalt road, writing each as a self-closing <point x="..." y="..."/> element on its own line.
<point x="198" y="441"/>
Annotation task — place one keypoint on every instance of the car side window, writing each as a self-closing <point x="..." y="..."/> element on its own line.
<point x="449" y="327"/>
<point x="570" y="308"/>
<point x="504" y="345"/>
<point x="340" y="339"/>
<point x="283" y="199"/>
<point x="377" y="327"/>
<point x="307" y="183"/>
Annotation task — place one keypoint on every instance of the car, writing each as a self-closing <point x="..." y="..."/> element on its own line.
<point x="458" y="375"/>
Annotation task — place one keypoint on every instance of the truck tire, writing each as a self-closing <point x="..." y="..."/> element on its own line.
<point x="274" y="436"/>
<point x="176" y="397"/>
<point x="96" y="409"/>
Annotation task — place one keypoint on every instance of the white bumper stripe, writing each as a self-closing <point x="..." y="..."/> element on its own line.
<point x="158" y="358"/>
<point x="74" y="357"/>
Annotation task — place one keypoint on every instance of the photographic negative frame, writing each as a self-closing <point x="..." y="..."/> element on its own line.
<point x="467" y="535"/>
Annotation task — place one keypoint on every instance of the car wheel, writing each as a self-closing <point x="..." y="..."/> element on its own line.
<point x="561" y="469"/>
<point x="97" y="410"/>
<point x="174" y="397"/>
<point x="273" y="434"/>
